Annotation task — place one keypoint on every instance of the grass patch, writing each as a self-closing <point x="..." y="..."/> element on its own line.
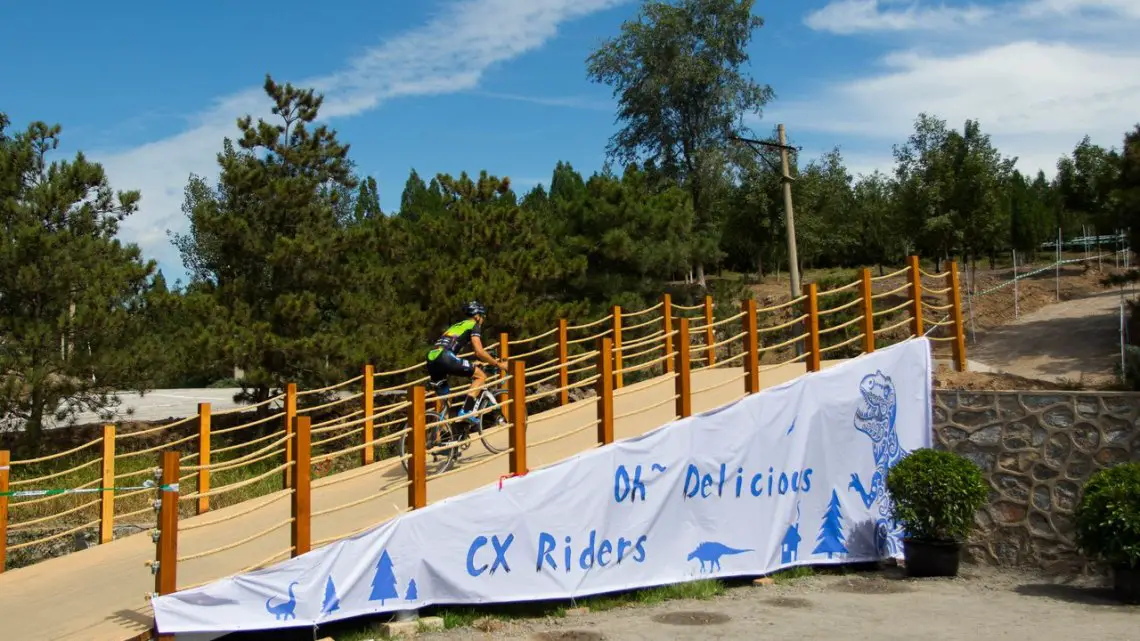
<point x="793" y="573"/>
<point x="467" y="617"/>
<point x="702" y="589"/>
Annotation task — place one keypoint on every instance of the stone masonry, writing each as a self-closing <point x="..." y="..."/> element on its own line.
<point x="1036" y="449"/>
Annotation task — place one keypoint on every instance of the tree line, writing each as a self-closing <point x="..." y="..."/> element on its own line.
<point x="295" y="274"/>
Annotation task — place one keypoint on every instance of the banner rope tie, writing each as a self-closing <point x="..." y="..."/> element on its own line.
<point x="504" y="477"/>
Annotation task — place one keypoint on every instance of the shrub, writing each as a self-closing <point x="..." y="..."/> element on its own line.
<point x="935" y="494"/>
<point x="1108" y="515"/>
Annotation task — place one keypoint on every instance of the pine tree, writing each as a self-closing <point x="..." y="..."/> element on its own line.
<point x="265" y="245"/>
<point x="481" y="244"/>
<point x="626" y="236"/>
<point x="384" y="581"/>
<point x="331" y="602"/>
<point x="72" y="296"/>
<point x="412" y="594"/>
<point x="831" y="530"/>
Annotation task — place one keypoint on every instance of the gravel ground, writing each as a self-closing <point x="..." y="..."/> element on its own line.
<point x="982" y="603"/>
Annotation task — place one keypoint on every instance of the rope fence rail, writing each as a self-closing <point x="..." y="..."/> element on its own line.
<point x="274" y="453"/>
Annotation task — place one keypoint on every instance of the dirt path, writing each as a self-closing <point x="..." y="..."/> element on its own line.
<point x="1066" y="341"/>
<point x="982" y="603"/>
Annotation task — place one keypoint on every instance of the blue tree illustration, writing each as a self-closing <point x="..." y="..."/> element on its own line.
<point x="412" y="594"/>
<point x="831" y="530"/>
<point x="332" y="602"/>
<point x="384" y="581"/>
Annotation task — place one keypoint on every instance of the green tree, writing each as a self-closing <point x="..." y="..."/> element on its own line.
<point x="752" y="234"/>
<point x="976" y="200"/>
<point x="419" y="198"/>
<point x="71" y="294"/>
<point x="482" y="244"/>
<point x="1031" y="216"/>
<point x="367" y="202"/>
<point x="1085" y="181"/>
<point x="825" y="231"/>
<point x="265" y="245"/>
<point x="1126" y="192"/>
<point x="922" y="184"/>
<point x="876" y="222"/>
<point x="951" y="190"/>
<point x="677" y="74"/>
<point x="623" y="237"/>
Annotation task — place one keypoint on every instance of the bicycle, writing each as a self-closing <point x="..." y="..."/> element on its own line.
<point x="449" y="433"/>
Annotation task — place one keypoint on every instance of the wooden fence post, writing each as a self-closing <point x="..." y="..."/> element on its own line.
<point x="710" y="332"/>
<point x="959" y="329"/>
<point x="518" y="418"/>
<point x="751" y="348"/>
<point x="563" y="357"/>
<point x="504" y="346"/>
<point x="369" y="398"/>
<point x="204" y="420"/>
<point x="915" y="297"/>
<point x="302" y="489"/>
<point x="605" y="390"/>
<point x="504" y="354"/>
<point x="617" y="347"/>
<point x="812" y="305"/>
<point x="290" y="414"/>
<point x="107" y="496"/>
<point x="868" y="312"/>
<point x="166" y="578"/>
<point x="667" y="322"/>
<point x="5" y="463"/>
<point x="417" y="466"/>
<point x="684" y="388"/>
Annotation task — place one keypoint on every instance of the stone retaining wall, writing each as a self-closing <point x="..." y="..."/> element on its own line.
<point x="1037" y="449"/>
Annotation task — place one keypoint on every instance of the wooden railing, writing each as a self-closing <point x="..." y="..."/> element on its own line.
<point x="312" y="433"/>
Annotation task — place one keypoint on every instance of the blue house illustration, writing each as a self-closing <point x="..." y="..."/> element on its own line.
<point x="789" y="550"/>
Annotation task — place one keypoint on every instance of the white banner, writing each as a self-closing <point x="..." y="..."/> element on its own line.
<point x="793" y="475"/>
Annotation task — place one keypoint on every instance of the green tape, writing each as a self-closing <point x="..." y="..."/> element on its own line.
<point x="91" y="490"/>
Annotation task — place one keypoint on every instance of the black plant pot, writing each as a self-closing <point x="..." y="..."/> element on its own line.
<point x="1126" y="583"/>
<point x="931" y="558"/>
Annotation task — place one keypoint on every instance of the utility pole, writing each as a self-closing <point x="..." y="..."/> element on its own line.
<point x="793" y="258"/>
<point x="786" y="179"/>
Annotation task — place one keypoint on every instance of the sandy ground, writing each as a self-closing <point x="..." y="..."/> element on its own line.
<point x="982" y="603"/>
<point x="1065" y="341"/>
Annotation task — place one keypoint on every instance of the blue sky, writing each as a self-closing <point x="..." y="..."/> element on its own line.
<point x="149" y="89"/>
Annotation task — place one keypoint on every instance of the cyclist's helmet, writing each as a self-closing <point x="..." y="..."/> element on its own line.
<point x="474" y="308"/>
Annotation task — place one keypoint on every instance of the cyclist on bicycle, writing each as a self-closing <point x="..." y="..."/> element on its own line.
<point x="443" y="360"/>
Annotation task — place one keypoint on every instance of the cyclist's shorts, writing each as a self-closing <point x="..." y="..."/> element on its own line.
<point x="442" y="363"/>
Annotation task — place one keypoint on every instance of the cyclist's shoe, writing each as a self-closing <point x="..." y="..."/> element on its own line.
<point x="471" y="417"/>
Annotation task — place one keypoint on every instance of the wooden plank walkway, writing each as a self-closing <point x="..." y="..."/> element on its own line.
<point x="99" y="594"/>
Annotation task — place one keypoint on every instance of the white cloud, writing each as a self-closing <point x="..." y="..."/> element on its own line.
<point x="1123" y="8"/>
<point x="1034" y="86"/>
<point x="448" y="54"/>
<point x="570" y="102"/>
<point x="853" y="16"/>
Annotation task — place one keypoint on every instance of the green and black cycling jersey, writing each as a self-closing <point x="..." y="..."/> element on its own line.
<point x="457" y="338"/>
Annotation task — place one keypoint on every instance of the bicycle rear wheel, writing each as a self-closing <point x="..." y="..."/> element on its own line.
<point x="436" y="435"/>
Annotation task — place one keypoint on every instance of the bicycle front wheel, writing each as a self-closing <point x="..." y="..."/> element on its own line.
<point x="436" y="436"/>
<point x="490" y="421"/>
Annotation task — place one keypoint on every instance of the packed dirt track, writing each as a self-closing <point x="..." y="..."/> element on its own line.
<point x="981" y="603"/>
<point x="1067" y="341"/>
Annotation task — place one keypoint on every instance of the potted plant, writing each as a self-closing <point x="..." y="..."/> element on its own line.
<point x="1108" y="525"/>
<point x="934" y="496"/>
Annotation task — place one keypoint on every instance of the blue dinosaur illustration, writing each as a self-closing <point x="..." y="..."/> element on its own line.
<point x="875" y="417"/>
<point x="285" y="609"/>
<point x="711" y="552"/>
